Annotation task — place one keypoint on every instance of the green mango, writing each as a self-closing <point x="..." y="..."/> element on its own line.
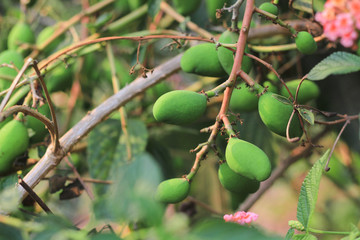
<point x="243" y="99"/>
<point x="14" y="141"/>
<point x="59" y="79"/>
<point x="186" y="7"/>
<point x="44" y="35"/>
<point x="37" y="126"/>
<point x="212" y="6"/>
<point x="234" y="182"/>
<point x="203" y="60"/>
<point x="270" y="87"/>
<point x="226" y="56"/>
<point x="19" y="34"/>
<point x="3" y="123"/>
<point x="9" y="57"/>
<point x="270" y="8"/>
<point x="172" y="190"/>
<point x="275" y="115"/>
<point x="236" y="199"/>
<point x="305" y="43"/>
<point x="308" y="90"/>
<point x="248" y="160"/>
<point x="179" y="107"/>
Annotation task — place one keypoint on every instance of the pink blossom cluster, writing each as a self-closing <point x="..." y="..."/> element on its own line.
<point x="241" y="217"/>
<point x="340" y="20"/>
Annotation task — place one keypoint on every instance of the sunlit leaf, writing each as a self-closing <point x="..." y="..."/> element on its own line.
<point x="336" y="63"/>
<point x="309" y="191"/>
<point x="307" y="115"/>
<point x="282" y="99"/>
<point x="306" y="236"/>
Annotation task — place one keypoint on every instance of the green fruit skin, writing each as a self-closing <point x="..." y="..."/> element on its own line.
<point x="9" y="56"/>
<point x="339" y="173"/>
<point x="203" y="60"/>
<point x="248" y="160"/>
<point x="308" y="90"/>
<point x="44" y="35"/>
<point x="186" y="7"/>
<point x="270" y="87"/>
<point x="243" y="99"/>
<point x="3" y="123"/>
<point x="179" y="107"/>
<point x="226" y="56"/>
<point x="19" y="34"/>
<point x="59" y="79"/>
<point x="275" y="115"/>
<point x="305" y="43"/>
<point x="270" y="8"/>
<point x="172" y="190"/>
<point x="37" y="126"/>
<point x="212" y="6"/>
<point x="14" y="141"/>
<point x="234" y="182"/>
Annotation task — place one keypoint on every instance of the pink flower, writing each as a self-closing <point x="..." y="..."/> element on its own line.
<point x="241" y="217"/>
<point x="338" y="3"/>
<point x="344" y="21"/>
<point x="354" y="7"/>
<point x="348" y="38"/>
<point x="331" y="31"/>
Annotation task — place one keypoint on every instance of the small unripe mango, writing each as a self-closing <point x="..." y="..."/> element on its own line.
<point x="173" y="190"/>
<point x="44" y="35"/>
<point x="212" y="6"/>
<point x="59" y="79"/>
<point x="275" y="115"/>
<point x="226" y="56"/>
<point x="270" y="8"/>
<point x="185" y="7"/>
<point x="14" y="141"/>
<point x="243" y="99"/>
<point x="179" y="107"/>
<point x="21" y="33"/>
<point x="9" y="57"/>
<point x="305" y="43"/>
<point x="203" y="60"/>
<point x="308" y="90"/>
<point x="270" y="87"/>
<point x="234" y="182"/>
<point x="248" y="160"/>
<point x="37" y="126"/>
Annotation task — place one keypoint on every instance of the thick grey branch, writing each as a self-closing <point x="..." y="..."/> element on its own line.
<point x="51" y="159"/>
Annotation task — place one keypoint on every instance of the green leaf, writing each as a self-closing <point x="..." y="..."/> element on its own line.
<point x="9" y="232"/>
<point x="354" y="234"/>
<point x="154" y="7"/>
<point x="215" y="229"/>
<point x="303" y="5"/>
<point x="336" y="63"/>
<point x="307" y="115"/>
<point x="130" y="197"/>
<point x="309" y="191"/>
<point x="306" y="236"/>
<point x="290" y="234"/>
<point x="282" y="99"/>
<point x="107" y="147"/>
<point x="10" y="196"/>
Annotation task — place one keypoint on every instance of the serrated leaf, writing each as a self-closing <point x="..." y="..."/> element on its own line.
<point x="309" y="191"/>
<point x="306" y="236"/>
<point x="282" y="99"/>
<point x="336" y="63"/>
<point x="290" y="233"/>
<point x="303" y="5"/>
<point x="154" y="7"/>
<point x="307" y="115"/>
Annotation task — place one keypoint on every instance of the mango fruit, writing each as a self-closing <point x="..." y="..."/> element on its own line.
<point x="308" y="90"/>
<point x="203" y="60"/>
<point x="44" y="35"/>
<point x="59" y="79"/>
<point x="179" y="107"/>
<point x="305" y="43"/>
<point x="226" y="56"/>
<point x="186" y="7"/>
<point x="37" y="126"/>
<point x="14" y="141"/>
<point x="243" y="99"/>
<point x="248" y="160"/>
<point x="270" y="8"/>
<point x="234" y="182"/>
<point x="172" y="190"/>
<point x="9" y="57"/>
<point x="275" y="115"/>
<point x="212" y="6"/>
<point x="270" y="86"/>
<point x="21" y="33"/>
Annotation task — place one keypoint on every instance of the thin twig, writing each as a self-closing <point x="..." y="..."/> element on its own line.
<point x="204" y="206"/>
